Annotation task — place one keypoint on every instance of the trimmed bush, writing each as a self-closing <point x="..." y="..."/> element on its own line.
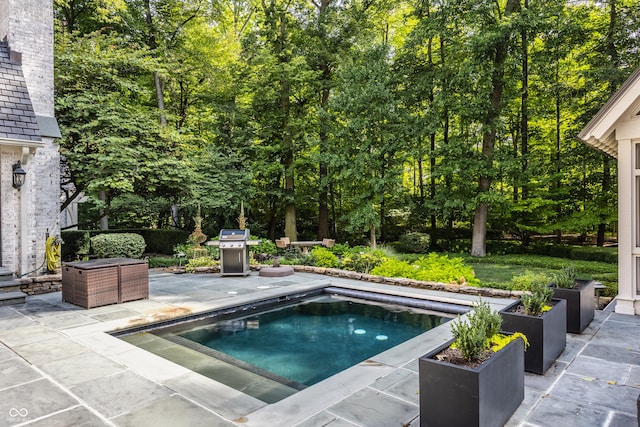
<point x="76" y="244"/>
<point x="118" y="245"/>
<point x="414" y="243"/>
<point x="323" y="257"/>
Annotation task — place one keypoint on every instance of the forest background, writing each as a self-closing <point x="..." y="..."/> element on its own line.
<point x="359" y="120"/>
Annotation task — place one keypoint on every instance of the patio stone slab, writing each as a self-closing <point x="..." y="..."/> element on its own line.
<point x="120" y="393"/>
<point x="402" y="384"/>
<point x="6" y="353"/>
<point x="531" y="398"/>
<point x="56" y="348"/>
<point x="615" y="332"/>
<point x="33" y="333"/>
<point x="66" y="320"/>
<point x="594" y="393"/>
<point x="78" y="416"/>
<point x="206" y="392"/>
<point x="173" y="411"/>
<point x="558" y="412"/>
<point x="575" y="343"/>
<point x="80" y="368"/>
<point x="369" y="407"/>
<point x="16" y="371"/>
<point x="543" y="383"/>
<point x="622" y="420"/>
<point x="612" y="353"/>
<point x="634" y="377"/>
<point x="33" y="400"/>
<point x="113" y="315"/>
<point x="325" y="419"/>
<point x="604" y="370"/>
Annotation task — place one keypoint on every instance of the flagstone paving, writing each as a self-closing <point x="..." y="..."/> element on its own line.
<point x="60" y="367"/>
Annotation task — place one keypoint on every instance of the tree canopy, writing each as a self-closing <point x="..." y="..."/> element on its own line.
<point x="358" y="120"/>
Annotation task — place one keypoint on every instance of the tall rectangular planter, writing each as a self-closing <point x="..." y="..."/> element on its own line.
<point x="580" y="304"/>
<point x="486" y="396"/>
<point x="547" y="334"/>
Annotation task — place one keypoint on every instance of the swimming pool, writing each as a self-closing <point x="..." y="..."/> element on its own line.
<point x="272" y="349"/>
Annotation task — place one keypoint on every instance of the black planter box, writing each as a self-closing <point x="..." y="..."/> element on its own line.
<point x="580" y="304"/>
<point x="547" y="334"/>
<point x="486" y="396"/>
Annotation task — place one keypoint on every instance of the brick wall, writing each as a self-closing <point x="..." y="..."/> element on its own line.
<point x="28" y="27"/>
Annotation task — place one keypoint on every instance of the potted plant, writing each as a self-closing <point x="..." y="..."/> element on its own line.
<point x="476" y="378"/>
<point x="579" y="295"/>
<point x="543" y="320"/>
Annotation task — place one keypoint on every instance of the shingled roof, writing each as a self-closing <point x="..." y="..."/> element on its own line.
<point x="17" y="118"/>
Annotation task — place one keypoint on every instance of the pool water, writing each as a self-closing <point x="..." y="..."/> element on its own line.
<point x="309" y="342"/>
<point x="273" y="354"/>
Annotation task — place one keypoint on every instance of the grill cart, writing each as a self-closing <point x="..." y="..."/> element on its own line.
<point x="234" y="251"/>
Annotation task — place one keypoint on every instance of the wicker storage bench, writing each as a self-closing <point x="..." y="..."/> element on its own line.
<point x="104" y="281"/>
<point x="133" y="279"/>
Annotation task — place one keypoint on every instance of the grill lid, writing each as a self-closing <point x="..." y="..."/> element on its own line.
<point x="234" y="234"/>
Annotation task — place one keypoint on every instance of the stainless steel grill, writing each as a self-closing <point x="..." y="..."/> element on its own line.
<point x="234" y="252"/>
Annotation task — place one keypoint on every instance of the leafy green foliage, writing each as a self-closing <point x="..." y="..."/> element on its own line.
<point x="472" y="337"/>
<point x="203" y="261"/>
<point x="362" y="260"/>
<point x="565" y="278"/>
<point x="432" y="268"/>
<point x="76" y="244"/>
<point x="118" y="245"/>
<point x="414" y="243"/>
<point x="529" y="281"/>
<point x="537" y="293"/>
<point x="323" y="257"/>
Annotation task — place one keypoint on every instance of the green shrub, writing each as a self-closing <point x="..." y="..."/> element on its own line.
<point x="118" y="245"/>
<point x="163" y="262"/>
<point x="565" y="278"/>
<point x="323" y="257"/>
<point x="432" y="268"/>
<point x="340" y="249"/>
<point x="204" y="261"/>
<point x="76" y="244"/>
<point x="472" y="337"/>
<point x="536" y="300"/>
<point x="362" y="260"/>
<point x="266" y="246"/>
<point x="528" y="281"/>
<point x="162" y="241"/>
<point x="414" y="243"/>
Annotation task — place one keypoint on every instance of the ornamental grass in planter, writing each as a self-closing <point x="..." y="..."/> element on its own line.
<point x="580" y="298"/>
<point x="476" y="378"/>
<point x="543" y="320"/>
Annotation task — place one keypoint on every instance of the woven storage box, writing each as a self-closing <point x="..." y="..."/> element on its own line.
<point x="68" y="278"/>
<point x="133" y="281"/>
<point x="92" y="286"/>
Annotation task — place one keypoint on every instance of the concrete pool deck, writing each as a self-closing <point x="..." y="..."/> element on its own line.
<point x="59" y="367"/>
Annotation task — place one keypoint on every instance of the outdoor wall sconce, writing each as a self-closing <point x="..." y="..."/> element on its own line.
<point x="18" y="175"/>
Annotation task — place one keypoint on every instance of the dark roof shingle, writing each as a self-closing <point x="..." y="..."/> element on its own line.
<point x="17" y="118"/>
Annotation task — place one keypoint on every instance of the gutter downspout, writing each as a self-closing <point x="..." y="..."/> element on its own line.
<point x="24" y="206"/>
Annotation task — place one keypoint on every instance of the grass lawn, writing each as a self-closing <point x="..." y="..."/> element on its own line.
<point x="496" y="271"/>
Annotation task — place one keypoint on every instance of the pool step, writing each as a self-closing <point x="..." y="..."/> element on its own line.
<point x="10" y="292"/>
<point x="250" y="383"/>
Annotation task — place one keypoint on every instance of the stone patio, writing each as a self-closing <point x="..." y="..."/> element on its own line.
<point x="60" y="368"/>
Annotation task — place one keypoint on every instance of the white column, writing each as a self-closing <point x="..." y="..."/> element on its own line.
<point x="627" y="218"/>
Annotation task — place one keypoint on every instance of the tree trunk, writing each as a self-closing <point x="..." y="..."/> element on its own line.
<point x="104" y="219"/>
<point x="479" y="237"/>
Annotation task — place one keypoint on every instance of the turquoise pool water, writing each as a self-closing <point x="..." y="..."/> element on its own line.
<point x="275" y="348"/>
<point x="314" y="340"/>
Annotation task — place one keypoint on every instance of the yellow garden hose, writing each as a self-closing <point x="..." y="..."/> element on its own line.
<point x="52" y="252"/>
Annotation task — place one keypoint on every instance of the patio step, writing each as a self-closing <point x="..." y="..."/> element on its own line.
<point x="12" y="298"/>
<point x="10" y="292"/>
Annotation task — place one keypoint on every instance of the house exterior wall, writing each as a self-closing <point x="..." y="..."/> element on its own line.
<point x="30" y="214"/>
